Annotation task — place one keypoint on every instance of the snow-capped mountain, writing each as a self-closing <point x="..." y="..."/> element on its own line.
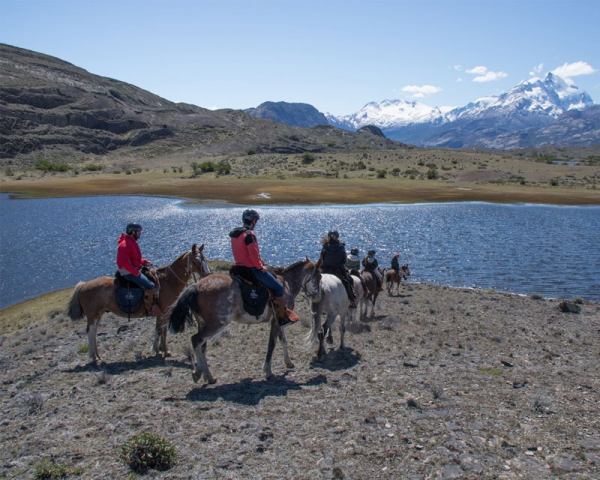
<point x="533" y="103"/>
<point x="388" y="114"/>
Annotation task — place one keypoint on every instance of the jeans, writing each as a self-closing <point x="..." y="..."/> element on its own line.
<point x="141" y="280"/>
<point x="268" y="280"/>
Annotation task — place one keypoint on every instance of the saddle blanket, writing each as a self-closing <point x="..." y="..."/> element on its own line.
<point x="255" y="297"/>
<point x="129" y="299"/>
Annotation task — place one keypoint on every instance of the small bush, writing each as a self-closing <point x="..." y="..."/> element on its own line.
<point x="47" y="166"/>
<point x="34" y="402"/>
<point x="92" y="167"/>
<point x="307" y="158"/>
<point x="432" y="173"/>
<point x="250" y="152"/>
<point x="148" y="451"/>
<point x="83" y="348"/>
<point x="49" y="470"/>
<point x="381" y="173"/>
<point x="223" y="168"/>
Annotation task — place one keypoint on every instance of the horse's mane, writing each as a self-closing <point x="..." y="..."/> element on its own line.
<point x="163" y="270"/>
<point x="280" y="270"/>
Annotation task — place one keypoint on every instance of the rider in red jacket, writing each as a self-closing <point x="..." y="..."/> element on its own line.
<point x="244" y="246"/>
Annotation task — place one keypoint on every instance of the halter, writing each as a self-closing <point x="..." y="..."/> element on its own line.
<point x="188" y="268"/>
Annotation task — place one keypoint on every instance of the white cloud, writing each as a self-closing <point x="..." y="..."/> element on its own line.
<point x="536" y="70"/>
<point x="421" y="91"/>
<point x="485" y="75"/>
<point x="458" y="80"/>
<point x="573" y="69"/>
<point x="458" y="67"/>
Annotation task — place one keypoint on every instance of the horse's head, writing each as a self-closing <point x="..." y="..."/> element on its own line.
<point x="405" y="270"/>
<point x="197" y="261"/>
<point x="312" y="284"/>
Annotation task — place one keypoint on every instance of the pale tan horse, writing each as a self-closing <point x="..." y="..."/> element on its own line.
<point x="392" y="278"/>
<point x="373" y="287"/>
<point x="94" y="297"/>
<point x="216" y="301"/>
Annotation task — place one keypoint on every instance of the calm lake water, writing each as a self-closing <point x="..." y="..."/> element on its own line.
<point x="553" y="251"/>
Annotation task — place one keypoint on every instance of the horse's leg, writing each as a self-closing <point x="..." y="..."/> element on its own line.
<point x="373" y="305"/>
<point x="160" y="337"/>
<point x="92" y="329"/>
<point x="271" y="346"/>
<point x="343" y="319"/>
<point x="201" y="368"/>
<point x="286" y="355"/>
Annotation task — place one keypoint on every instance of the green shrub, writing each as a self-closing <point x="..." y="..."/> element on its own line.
<point x="432" y="173"/>
<point x="49" y="470"/>
<point x="92" y="167"/>
<point x="331" y="144"/>
<point x="148" y="451"/>
<point x="47" y="166"/>
<point x="251" y="152"/>
<point x="381" y="173"/>
<point x="8" y="172"/>
<point x="223" y="168"/>
<point x="307" y="158"/>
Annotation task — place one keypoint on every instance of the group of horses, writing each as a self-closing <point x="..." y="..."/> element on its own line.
<point x="214" y="301"/>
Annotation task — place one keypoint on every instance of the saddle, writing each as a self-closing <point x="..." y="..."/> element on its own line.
<point x="129" y="295"/>
<point x="254" y="295"/>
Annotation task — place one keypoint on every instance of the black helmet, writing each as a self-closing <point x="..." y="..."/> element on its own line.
<point x="132" y="227"/>
<point x="333" y="234"/>
<point x="354" y="251"/>
<point x="249" y="215"/>
<point x="371" y="252"/>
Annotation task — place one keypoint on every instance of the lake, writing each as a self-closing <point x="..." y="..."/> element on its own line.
<point x="47" y="244"/>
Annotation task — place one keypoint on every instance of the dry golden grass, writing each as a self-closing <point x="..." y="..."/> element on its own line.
<point x="349" y="177"/>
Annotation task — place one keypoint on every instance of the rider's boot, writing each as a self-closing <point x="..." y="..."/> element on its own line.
<point x="285" y="316"/>
<point x="148" y="300"/>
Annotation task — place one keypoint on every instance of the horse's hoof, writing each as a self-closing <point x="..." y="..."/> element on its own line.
<point x="290" y="365"/>
<point x="330" y="340"/>
<point x="196" y="377"/>
<point x="167" y="354"/>
<point x="211" y="380"/>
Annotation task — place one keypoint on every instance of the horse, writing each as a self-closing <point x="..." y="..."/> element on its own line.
<point x="329" y="297"/>
<point x="94" y="297"/>
<point x="216" y="301"/>
<point x="372" y="286"/>
<point x="391" y="278"/>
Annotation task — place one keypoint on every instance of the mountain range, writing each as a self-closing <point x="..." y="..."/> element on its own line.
<point x="537" y="112"/>
<point x="52" y="108"/>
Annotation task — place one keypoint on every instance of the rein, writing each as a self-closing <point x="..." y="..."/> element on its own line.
<point x="187" y="269"/>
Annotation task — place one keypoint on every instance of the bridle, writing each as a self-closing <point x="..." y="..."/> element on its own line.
<point x="317" y="290"/>
<point x="189" y="268"/>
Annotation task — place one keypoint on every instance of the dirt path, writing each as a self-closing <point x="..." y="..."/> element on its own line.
<point x="441" y="383"/>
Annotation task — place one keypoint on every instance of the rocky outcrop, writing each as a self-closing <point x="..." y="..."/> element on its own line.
<point x="292" y="114"/>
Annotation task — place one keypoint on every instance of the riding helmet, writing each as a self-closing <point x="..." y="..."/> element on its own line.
<point x="354" y="251"/>
<point x="371" y="253"/>
<point x="333" y="234"/>
<point x="249" y="215"/>
<point x="132" y="227"/>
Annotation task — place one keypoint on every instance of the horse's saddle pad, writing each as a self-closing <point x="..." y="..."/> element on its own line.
<point x="255" y="297"/>
<point x="129" y="299"/>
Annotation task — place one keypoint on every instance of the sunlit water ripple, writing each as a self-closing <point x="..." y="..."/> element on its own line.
<point x="553" y="251"/>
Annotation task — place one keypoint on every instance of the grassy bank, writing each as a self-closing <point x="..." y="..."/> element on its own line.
<point x="353" y="178"/>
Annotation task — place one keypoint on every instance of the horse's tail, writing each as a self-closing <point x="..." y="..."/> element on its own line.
<point x="184" y="309"/>
<point x="312" y="337"/>
<point x="74" y="309"/>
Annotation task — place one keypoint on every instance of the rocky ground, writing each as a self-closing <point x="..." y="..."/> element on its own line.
<point x="441" y="383"/>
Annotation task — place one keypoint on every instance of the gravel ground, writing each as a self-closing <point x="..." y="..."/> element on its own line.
<point x="441" y="383"/>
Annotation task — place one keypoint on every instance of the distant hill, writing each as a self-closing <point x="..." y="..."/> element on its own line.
<point x="52" y="107"/>
<point x="292" y="114"/>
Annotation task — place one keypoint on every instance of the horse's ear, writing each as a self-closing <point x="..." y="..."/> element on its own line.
<point x="319" y="262"/>
<point x="201" y="248"/>
<point x="307" y="259"/>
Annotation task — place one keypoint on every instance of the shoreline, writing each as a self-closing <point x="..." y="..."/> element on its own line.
<point x="262" y="191"/>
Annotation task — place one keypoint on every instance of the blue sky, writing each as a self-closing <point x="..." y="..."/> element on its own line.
<point x="336" y="55"/>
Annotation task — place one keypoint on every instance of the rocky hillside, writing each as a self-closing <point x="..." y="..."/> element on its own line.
<point x="292" y="114"/>
<point x="441" y="383"/>
<point x="51" y="107"/>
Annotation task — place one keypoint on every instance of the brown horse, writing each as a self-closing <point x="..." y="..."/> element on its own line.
<point x="373" y="287"/>
<point x="391" y="278"/>
<point x="216" y="301"/>
<point x="94" y="297"/>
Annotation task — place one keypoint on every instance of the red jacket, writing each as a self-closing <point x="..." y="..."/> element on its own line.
<point x="245" y="248"/>
<point x="129" y="255"/>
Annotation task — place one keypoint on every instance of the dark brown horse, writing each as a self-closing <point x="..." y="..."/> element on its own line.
<point x="94" y="297"/>
<point x="373" y="287"/>
<point x="215" y="301"/>
<point x="391" y="278"/>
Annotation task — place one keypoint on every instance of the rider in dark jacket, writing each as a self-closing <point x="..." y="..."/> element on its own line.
<point x="396" y="264"/>
<point x="371" y="264"/>
<point x="333" y="260"/>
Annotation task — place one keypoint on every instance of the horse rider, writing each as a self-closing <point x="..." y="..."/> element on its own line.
<point x="246" y="253"/>
<point x="353" y="266"/>
<point x="396" y="264"/>
<point x="333" y="260"/>
<point x="370" y="263"/>
<point x="133" y="267"/>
